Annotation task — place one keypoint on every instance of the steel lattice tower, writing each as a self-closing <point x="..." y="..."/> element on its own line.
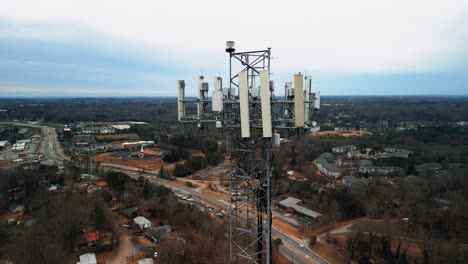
<point x="251" y="122"/>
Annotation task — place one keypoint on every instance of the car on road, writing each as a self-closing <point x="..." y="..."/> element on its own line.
<point x="301" y="245"/>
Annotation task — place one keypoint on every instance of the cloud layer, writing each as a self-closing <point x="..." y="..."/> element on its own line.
<point x="147" y="45"/>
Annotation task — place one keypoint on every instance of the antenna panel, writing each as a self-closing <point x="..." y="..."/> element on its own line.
<point x="181" y="99"/>
<point x="244" y="104"/>
<point x="266" y="107"/>
<point x="299" y="100"/>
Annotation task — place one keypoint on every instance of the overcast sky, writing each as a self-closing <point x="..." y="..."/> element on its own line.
<point x="140" y="48"/>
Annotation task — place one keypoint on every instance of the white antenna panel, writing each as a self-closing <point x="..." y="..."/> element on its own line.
<point x="217" y="101"/>
<point x="299" y="100"/>
<point x="316" y="98"/>
<point x="244" y="104"/>
<point x="255" y="92"/>
<point x="181" y="99"/>
<point x="217" y="96"/>
<point x="266" y="107"/>
<point x="200" y="95"/>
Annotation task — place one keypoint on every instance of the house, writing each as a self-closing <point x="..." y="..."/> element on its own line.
<point x="157" y="234"/>
<point x="396" y="153"/>
<point x="351" y="180"/>
<point x="344" y="149"/>
<point x="15" y="208"/>
<point x="146" y="261"/>
<point x="147" y="153"/>
<point x="292" y="204"/>
<point x="91" y="238"/>
<point x="102" y="185"/>
<point x="149" y="251"/>
<point x="366" y="166"/>
<point x="52" y="187"/>
<point x="354" y="154"/>
<point x="327" y="168"/>
<point x="142" y="222"/>
<point x="428" y="167"/>
<point x="88" y="258"/>
<point x="131" y="212"/>
<point x="3" y="144"/>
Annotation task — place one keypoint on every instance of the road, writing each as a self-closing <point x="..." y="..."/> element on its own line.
<point x="290" y="247"/>
<point x="49" y="143"/>
<point x="51" y="147"/>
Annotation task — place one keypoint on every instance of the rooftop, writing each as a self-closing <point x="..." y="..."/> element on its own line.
<point x="140" y="220"/>
<point x="88" y="258"/>
<point x="294" y="203"/>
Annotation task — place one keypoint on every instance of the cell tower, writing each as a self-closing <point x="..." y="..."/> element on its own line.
<point x="252" y="120"/>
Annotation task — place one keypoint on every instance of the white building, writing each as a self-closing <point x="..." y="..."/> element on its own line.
<point x="343" y="149"/>
<point x="142" y="222"/>
<point x="88" y="258"/>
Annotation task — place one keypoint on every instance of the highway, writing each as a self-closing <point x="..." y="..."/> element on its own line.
<point x="49" y="143"/>
<point x="290" y="247"/>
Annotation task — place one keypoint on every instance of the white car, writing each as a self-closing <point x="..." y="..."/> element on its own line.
<point x="301" y="245"/>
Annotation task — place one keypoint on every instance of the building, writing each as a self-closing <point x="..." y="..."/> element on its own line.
<point x="146" y="153"/>
<point x="354" y="154"/>
<point x="328" y="169"/>
<point x="18" y="146"/>
<point x="351" y="180"/>
<point x="366" y="166"/>
<point x="344" y="149"/>
<point x="429" y="168"/>
<point x="4" y="144"/>
<point x="396" y="153"/>
<point x="102" y="185"/>
<point x="91" y="238"/>
<point x="146" y="261"/>
<point x="15" y="208"/>
<point x="292" y="204"/>
<point x="131" y="212"/>
<point x="142" y="222"/>
<point x="157" y="234"/>
<point x="88" y="258"/>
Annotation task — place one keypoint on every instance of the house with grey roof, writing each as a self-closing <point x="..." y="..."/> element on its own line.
<point x="344" y="149"/>
<point x="429" y="167"/>
<point x="327" y="168"/>
<point x="297" y="206"/>
<point x="396" y="153"/>
<point x="157" y="234"/>
<point x="351" y="180"/>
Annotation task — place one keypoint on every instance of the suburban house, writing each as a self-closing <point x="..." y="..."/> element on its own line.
<point x="351" y="180"/>
<point x="142" y="222"/>
<point x="146" y="261"/>
<point x="157" y="234"/>
<point x="396" y="153"/>
<point x="366" y="166"/>
<point x="15" y="208"/>
<point x="354" y="154"/>
<point x="295" y="205"/>
<point x="88" y="258"/>
<point x="428" y="167"/>
<point x="344" y="149"/>
<point x="91" y="238"/>
<point x="131" y="212"/>
<point x="102" y="185"/>
<point x="327" y="168"/>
